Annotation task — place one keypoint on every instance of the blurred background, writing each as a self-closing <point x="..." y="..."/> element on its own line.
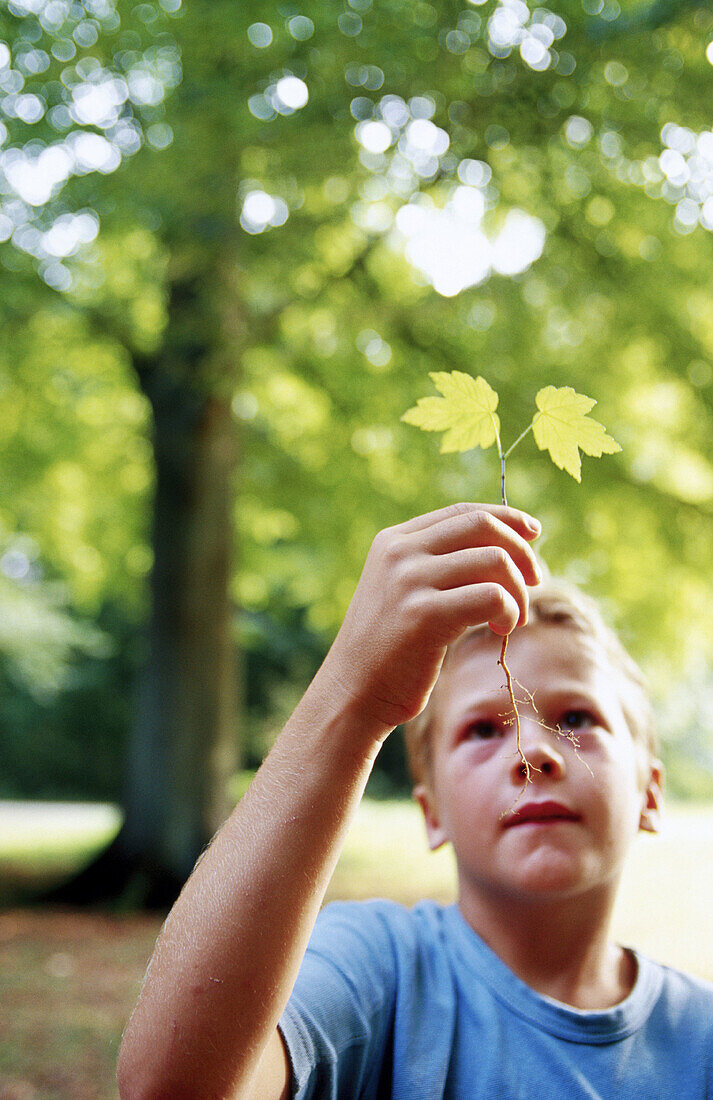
<point x="234" y="240"/>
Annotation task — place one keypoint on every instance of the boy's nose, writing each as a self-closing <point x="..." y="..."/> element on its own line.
<point x="540" y="747"/>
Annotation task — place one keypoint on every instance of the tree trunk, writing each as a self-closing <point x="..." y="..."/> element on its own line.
<point x="184" y="742"/>
<point x="183" y="745"/>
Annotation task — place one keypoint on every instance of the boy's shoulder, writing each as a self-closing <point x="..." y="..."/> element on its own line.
<point x="384" y="944"/>
<point x="378" y="925"/>
<point x="683" y="994"/>
<point x="379" y="921"/>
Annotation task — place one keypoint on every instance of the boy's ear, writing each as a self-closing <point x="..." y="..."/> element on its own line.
<point x="650" y="819"/>
<point x="434" y="830"/>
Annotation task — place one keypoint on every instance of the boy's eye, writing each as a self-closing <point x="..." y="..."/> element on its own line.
<point x="576" y="720"/>
<point x="483" y="730"/>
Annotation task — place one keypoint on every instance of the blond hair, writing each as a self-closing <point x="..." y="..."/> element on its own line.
<point x="558" y="603"/>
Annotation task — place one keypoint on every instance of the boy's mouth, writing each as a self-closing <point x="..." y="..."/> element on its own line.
<point x="541" y="813"/>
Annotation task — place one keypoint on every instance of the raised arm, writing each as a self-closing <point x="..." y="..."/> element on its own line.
<point x="229" y="952"/>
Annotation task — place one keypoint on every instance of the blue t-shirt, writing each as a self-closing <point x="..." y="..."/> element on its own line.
<point x="411" y="1004"/>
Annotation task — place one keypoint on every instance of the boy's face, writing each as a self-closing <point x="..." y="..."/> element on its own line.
<point x="566" y="832"/>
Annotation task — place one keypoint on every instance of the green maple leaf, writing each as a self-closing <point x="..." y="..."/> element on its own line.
<point x="465" y="412"/>
<point x="563" y="428"/>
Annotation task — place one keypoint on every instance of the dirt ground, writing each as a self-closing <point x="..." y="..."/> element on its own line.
<point x="68" y="983"/>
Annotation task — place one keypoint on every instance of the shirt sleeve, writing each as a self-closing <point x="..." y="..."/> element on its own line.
<point x="338" y="1022"/>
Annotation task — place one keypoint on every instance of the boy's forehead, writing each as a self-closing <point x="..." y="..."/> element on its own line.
<point x="553" y="649"/>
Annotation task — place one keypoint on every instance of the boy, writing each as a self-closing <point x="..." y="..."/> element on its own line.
<point x="514" y="992"/>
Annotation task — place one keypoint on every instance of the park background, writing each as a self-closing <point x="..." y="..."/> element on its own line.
<point x="234" y="240"/>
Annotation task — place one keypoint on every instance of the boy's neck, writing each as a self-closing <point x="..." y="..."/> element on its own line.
<point x="560" y="949"/>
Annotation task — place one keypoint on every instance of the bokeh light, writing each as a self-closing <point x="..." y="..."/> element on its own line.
<point x="291" y="93"/>
<point x="261" y="211"/>
<point x="450" y="247"/>
<point x="260" y="35"/>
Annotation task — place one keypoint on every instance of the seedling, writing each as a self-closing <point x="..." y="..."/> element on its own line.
<point x="561" y="426"/>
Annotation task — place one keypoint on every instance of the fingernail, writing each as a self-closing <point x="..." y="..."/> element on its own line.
<point x="534" y="524"/>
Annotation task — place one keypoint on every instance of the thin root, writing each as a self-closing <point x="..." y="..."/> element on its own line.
<point x="570" y="735"/>
<point x="527" y="767"/>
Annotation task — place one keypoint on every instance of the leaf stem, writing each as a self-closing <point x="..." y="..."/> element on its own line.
<point x="497" y="434"/>
<point x="502" y="459"/>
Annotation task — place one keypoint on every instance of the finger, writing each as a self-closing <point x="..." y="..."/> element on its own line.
<point x="489" y="564"/>
<point x="526" y="525"/>
<point x="481" y="528"/>
<point x="477" y="604"/>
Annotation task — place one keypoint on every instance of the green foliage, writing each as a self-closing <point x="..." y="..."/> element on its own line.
<point x="66" y="691"/>
<point x="76" y="460"/>
<point x="279" y="655"/>
<point x="319" y="329"/>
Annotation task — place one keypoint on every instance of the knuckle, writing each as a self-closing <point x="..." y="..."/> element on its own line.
<point x="502" y="563"/>
<point x="495" y="595"/>
<point x="496" y="560"/>
<point x="396" y="556"/>
<point x="382" y="538"/>
<point x="483" y="520"/>
<point x="479" y="520"/>
<point x="505" y="608"/>
<point x="500" y="558"/>
<point x="387" y="545"/>
<point x="505" y="601"/>
<point x="419" y="605"/>
<point x="477" y="517"/>
<point x="461" y="508"/>
<point x="486" y="522"/>
<point x="404" y="572"/>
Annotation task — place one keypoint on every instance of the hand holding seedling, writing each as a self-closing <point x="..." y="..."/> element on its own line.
<point x="425" y="582"/>
<point x="465" y="411"/>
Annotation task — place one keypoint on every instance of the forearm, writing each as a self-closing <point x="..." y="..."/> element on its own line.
<point x="231" y="947"/>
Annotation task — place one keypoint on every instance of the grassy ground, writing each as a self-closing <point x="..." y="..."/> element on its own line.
<point x="68" y="981"/>
<point x="67" y="985"/>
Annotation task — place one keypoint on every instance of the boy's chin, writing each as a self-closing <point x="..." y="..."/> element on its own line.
<point x="558" y="877"/>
